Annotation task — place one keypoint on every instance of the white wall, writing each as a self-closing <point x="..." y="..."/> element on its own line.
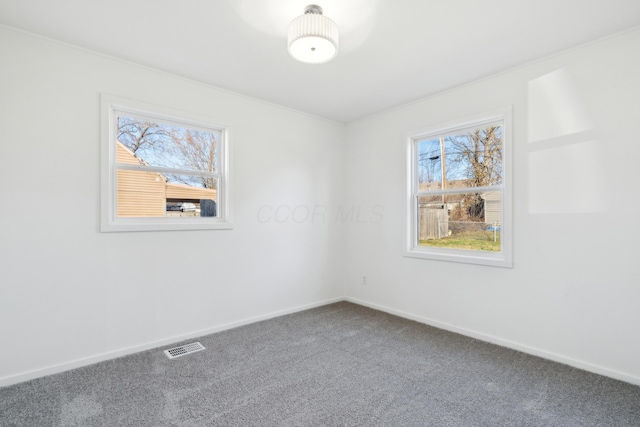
<point x="70" y="295"/>
<point x="574" y="291"/>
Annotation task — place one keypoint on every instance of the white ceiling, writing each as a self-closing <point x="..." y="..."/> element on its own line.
<point x="392" y="51"/>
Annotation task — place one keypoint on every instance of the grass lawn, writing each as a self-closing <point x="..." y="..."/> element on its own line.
<point x="475" y="241"/>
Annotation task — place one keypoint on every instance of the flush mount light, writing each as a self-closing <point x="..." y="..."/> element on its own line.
<point x="313" y="38"/>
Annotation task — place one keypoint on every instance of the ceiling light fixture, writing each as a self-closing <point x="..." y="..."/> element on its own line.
<point x="313" y="38"/>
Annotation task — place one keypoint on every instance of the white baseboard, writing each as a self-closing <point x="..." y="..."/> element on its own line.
<point x="78" y="363"/>
<point x="586" y="366"/>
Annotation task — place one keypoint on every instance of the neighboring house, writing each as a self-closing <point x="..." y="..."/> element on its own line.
<point x="491" y="200"/>
<point x="145" y="194"/>
<point x="452" y="200"/>
<point x="492" y="207"/>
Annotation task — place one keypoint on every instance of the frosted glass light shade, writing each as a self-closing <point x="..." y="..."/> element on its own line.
<point x="313" y="38"/>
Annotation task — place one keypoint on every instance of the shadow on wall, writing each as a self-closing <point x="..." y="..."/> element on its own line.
<point x="567" y="169"/>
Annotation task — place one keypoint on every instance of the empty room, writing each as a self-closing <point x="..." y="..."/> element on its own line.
<point x="343" y="213"/>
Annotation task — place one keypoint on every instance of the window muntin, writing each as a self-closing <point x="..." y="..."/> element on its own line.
<point x="457" y="201"/>
<point x="162" y="172"/>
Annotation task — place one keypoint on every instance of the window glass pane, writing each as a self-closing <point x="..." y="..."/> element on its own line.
<point x="470" y="221"/>
<point x="152" y="194"/>
<point x="191" y="196"/>
<point x="429" y="165"/>
<point x="160" y="144"/>
<point x="471" y="159"/>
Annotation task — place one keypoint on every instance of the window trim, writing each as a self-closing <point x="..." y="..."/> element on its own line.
<point x="504" y="258"/>
<point x="110" y="105"/>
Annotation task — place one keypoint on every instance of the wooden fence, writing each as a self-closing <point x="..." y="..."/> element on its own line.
<point x="433" y="223"/>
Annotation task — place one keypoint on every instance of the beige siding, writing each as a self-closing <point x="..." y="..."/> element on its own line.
<point x="140" y="194"/>
<point x="182" y="191"/>
<point x="144" y="194"/>
<point x="124" y="155"/>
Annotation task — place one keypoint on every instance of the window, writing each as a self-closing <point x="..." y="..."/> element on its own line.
<point x="458" y="191"/>
<point x="161" y="170"/>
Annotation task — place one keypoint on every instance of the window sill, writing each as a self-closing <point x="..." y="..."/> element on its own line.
<point x="161" y="224"/>
<point x="458" y="255"/>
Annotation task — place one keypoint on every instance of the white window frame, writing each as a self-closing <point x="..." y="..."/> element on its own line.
<point x="109" y="221"/>
<point x="504" y="258"/>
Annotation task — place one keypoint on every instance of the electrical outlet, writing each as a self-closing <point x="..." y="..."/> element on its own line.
<point x="364" y="280"/>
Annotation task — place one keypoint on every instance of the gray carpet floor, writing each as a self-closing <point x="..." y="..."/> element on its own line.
<point x="337" y="365"/>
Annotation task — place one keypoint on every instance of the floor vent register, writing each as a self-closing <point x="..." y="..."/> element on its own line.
<point x="183" y="350"/>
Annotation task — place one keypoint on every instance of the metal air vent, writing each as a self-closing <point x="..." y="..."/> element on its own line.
<point x="183" y="350"/>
